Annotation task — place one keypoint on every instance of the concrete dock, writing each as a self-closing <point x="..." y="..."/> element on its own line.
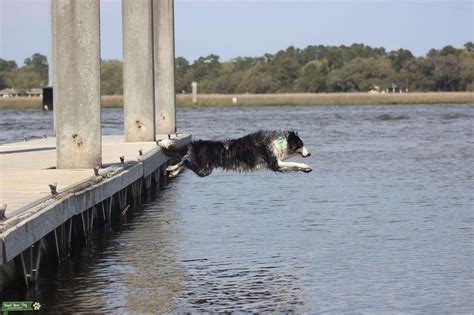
<point x="52" y="192"/>
<point x="36" y="214"/>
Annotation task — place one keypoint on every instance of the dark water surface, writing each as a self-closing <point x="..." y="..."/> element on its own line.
<point x="384" y="223"/>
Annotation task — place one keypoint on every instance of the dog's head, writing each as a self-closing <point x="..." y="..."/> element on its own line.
<point x="296" y="145"/>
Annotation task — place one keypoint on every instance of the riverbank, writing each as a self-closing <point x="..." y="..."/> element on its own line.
<point x="218" y="100"/>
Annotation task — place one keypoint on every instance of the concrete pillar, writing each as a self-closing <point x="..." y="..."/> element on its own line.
<point x="138" y="89"/>
<point x="77" y="83"/>
<point x="194" y="87"/>
<point x="52" y="62"/>
<point x="163" y="40"/>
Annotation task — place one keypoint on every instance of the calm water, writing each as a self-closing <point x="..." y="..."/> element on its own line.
<point x="384" y="223"/>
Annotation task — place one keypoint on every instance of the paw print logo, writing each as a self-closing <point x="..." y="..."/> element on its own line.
<point x="36" y="306"/>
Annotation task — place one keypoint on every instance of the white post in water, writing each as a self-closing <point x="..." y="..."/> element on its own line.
<point x="194" y="86"/>
<point x="138" y="89"/>
<point x="163" y="41"/>
<point x="76" y="51"/>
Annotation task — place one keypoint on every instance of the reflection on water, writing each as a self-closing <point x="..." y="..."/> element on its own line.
<point x="384" y="222"/>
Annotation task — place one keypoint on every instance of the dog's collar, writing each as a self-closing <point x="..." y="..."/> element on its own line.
<point x="280" y="139"/>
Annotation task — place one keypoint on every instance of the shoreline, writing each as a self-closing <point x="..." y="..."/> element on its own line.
<point x="287" y="99"/>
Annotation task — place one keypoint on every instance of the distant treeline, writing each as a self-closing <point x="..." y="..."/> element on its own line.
<point x="355" y="68"/>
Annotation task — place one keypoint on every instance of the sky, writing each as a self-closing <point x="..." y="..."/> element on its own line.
<point x="233" y="28"/>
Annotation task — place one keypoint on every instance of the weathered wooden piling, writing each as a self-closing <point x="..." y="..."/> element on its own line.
<point x="138" y="88"/>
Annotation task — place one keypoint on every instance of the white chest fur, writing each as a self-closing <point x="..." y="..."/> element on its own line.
<point x="280" y="149"/>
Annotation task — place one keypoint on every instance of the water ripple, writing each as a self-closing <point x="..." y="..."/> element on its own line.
<point x="382" y="225"/>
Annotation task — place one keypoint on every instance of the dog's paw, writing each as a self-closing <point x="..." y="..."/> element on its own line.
<point x="306" y="169"/>
<point x="166" y="143"/>
<point x="174" y="167"/>
<point x="174" y="173"/>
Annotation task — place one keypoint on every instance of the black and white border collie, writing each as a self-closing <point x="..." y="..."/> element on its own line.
<point x="258" y="150"/>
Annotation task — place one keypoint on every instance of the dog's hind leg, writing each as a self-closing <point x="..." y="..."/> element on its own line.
<point x="174" y="167"/>
<point x="175" y="172"/>
<point x="293" y="167"/>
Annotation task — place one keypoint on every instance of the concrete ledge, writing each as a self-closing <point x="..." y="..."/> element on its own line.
<point x="23" y="229"/>
<point x="21" y="236"/>
<point x="97" y="193"/>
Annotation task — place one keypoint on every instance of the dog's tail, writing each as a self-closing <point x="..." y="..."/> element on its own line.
<point x="172" y="151"/>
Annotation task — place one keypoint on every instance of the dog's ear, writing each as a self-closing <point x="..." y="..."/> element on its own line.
<point x="293" y="134"/>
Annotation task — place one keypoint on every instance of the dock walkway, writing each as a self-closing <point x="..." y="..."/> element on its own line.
<point x="34" y="210"/>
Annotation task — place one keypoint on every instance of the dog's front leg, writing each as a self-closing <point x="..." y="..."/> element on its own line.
<point x="293" y="167"/>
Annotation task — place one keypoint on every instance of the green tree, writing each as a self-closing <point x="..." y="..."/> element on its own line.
<point x="336" y="68"/>
<point x="313" y="77"/>
<point x="399" y="57"/>
<point x="38" y="63"/>
<point x="26" y="79"/>
<point x="284" y="69"/>
<point x="360" y="51"/>
<point x="205" y="67"/>
<point x="243" y="63"/>
<point x="362" y="75"/>
<point x="449" y="50"/>
<point x="335" y="58"/>
<point x="226" y="83"/>
<point x="311" y="53"/>
<point x="182" y="76"/>
<point x="111" y="77"/>
<point x="446" y="74"/>
<point x="432" y="53"/>
<point x="466" y="74"/>
<point x="257" y="79"/>
<point x="469" y="47"/>
<point x="417" y="74"/>
<point x="8" y="69"/>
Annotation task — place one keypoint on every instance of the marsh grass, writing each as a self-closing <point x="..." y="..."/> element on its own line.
<point x="21" y="103"/>
<point x="112" y="101"/>
<point x="219" y="100"/>
<point x="328" y="99"/>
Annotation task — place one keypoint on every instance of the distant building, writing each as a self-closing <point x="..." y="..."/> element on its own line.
<point x="11" y="92"/>
<point x="375" y="90"/>
<point x="5" y="93"/>
<point x="34" y="92"/>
